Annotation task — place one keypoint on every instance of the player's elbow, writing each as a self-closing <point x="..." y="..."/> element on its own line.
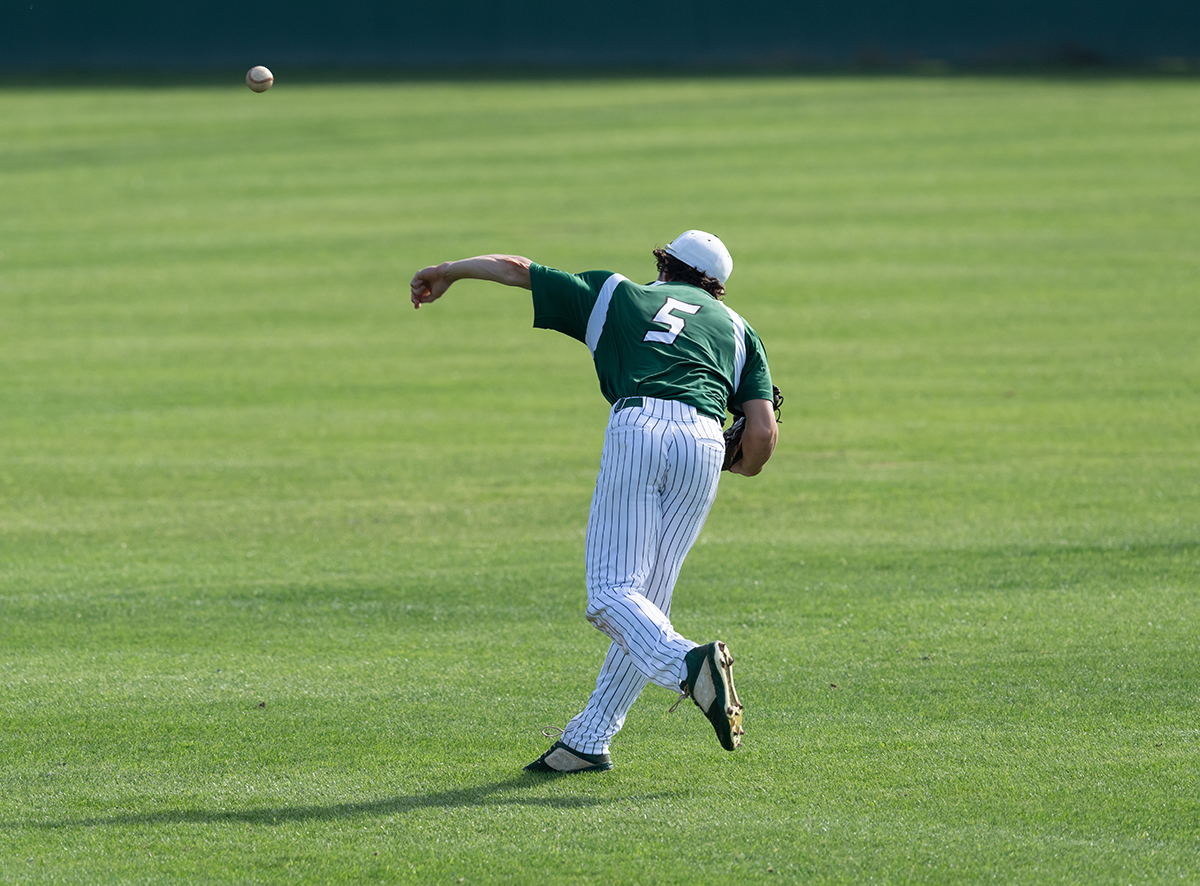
<point x="516" y="271"/>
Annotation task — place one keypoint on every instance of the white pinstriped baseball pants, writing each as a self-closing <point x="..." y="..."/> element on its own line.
<point x="658" y="478"/>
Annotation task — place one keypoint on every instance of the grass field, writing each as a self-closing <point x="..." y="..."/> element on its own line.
<point x="291" y="575"/>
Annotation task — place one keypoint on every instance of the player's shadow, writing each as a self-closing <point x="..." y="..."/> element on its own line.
<point x="513" y="792"/>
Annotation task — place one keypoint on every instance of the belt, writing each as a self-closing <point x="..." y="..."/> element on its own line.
<point x="640" y="402"/>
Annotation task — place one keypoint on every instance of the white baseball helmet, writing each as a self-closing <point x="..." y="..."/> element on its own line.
<point x="704" y="252"/>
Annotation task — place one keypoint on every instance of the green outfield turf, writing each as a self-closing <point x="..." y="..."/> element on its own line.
<point x="291" y="575"/>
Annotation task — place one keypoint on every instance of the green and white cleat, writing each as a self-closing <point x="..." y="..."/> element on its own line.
<point x="709" y="684"/>
<point x="562" y="760"/>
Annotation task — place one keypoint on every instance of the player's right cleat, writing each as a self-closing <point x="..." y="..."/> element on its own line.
<point x="709" y="684"/>
<point x="561" y="759"/>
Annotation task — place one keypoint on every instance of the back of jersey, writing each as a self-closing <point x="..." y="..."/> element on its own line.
<point x="671" y="341"/>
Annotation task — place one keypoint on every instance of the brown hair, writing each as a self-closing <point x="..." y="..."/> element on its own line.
<point x="678" y="272"/>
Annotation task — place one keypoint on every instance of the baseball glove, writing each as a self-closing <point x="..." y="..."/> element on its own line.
<point x="733" y="434"/>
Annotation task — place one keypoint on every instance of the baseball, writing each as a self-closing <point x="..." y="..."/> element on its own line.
<point x="259" y="78"/>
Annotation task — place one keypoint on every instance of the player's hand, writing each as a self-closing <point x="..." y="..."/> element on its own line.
<point x="429" y="284"/>
<point x="736" y="466"/>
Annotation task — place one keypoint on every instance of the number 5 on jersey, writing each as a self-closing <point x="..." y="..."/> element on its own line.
<point x="667" y="318"/>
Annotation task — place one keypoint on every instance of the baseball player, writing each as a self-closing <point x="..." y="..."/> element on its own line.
<point x="671" y="359"/>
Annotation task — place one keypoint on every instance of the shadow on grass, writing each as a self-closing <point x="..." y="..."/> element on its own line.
<point x="499" y="794"/>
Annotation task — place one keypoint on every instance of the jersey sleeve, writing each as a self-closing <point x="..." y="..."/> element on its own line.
<point x="563" y="302"/>
<point x="756" y="374"/>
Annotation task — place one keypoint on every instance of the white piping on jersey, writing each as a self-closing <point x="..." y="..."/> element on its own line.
<point x="739" y="345"/>
<point x="600" y="311"/>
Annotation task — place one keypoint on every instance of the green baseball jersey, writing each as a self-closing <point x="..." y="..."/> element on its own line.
<point x="671" y="341"/>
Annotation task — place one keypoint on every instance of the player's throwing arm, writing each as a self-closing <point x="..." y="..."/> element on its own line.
<point x="430" y="284"/>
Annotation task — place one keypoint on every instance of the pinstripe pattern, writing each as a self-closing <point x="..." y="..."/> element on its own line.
<point x="658" y="478"/>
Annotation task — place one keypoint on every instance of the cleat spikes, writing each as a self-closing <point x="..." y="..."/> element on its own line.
<point x="709" y="684"/>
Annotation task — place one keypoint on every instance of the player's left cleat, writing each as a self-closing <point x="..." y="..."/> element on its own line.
<point x="563" y="760"/>
<point x="709" y="684"/>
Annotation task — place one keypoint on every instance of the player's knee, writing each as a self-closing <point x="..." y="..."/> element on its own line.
<point x="601" y="595"/>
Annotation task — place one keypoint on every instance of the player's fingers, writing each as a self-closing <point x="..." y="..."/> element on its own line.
<point x="419" y="287"/>
<point x="422" y="286"/>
